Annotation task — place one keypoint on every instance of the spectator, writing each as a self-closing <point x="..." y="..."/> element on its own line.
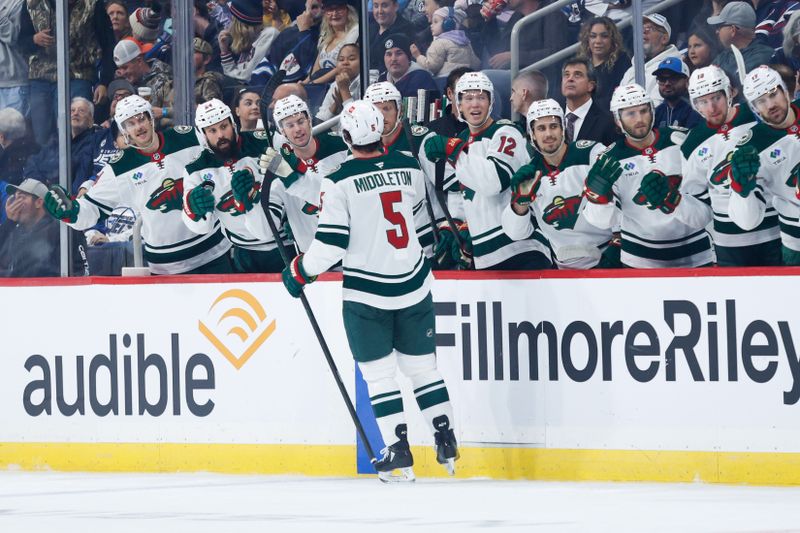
<point x="346" y="87"/>
<point x="285" y="89"/>
<point x="117" y="90"/>
<point x="405" y="74"/>
<point x="788" y="76"/>
<point x="246" y="42"/>
<point x="656" y="35"/>
<point x="30" y="238"/>
<point x="672" y="75"/>
<point x="601" y="43"/>
<point x="450" y="48"/>
<point x="387" y="22"/>
<point x="118" y="14"/>
<point x="13" y="67"/>
<point x="91" y="39"/>
<point x="449" y="124"/>
<point x="246" y="107"/>
<point x="154" y="74"/>
<point x="92" y="146"/>
<point x="207" y="84"/>
<point x="735" y="26"/>
<point x="702" y="49"/>
<point x="527" y="88"/>
<point x="339" y="27"/>
<point x="220" y="13"/>
<point x="422" y="18"/>
<point x="584" y="119"/>
<point x="771" y="17"/>
<point x="15" y="145"/>
<point x="789" y="54"/>
<point x="207" y="29"/>
<point x="274" y="15"/>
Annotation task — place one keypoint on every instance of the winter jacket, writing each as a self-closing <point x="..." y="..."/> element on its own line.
<point x="241" y="67"/>
<point x="651" y="84"/>
<point x="13" y="67"/>
<point x="445" y="54"/>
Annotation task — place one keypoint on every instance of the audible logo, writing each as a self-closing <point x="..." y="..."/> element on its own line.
<point x="244" y="316"/>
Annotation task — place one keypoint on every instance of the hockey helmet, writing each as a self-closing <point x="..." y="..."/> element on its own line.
<point x="363" y="123"/>
<point x="544" y="108"/>
<point x="631" y="95"/>
<point x="130" y="106"/>
<point x="708" y="80"/>
<point x="286" y="107"/>
<point x="383" y="91"/>
<point x="760" y="81"/>
<point x="474" y="81"/>
<point x="210" y="113"/>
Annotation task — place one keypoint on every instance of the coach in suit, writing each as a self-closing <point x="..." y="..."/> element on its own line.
<point x="584" y="119"/>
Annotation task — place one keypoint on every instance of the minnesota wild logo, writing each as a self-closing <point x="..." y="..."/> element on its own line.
<point x="168" y="197"/>
<point x="310" y="209"/>
<point x="562" y="213"/>
<point x="794" y="176"/>
<point x="227" y="204"/>
<point x="721" y="175"/>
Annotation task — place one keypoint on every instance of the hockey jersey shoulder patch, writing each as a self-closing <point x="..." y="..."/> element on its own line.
<point x="183" y="130"/>
<point x="418" y="130"/>
<point x="746" y="138"/>
<point x="585" y="144"/>
<point x="261" y="135"/>
<point x="116" y="157"/>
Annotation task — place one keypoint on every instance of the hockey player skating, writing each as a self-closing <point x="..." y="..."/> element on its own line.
<point x="306" y="160"/>
<point x="221" y="185"/>
<point x="551" y="186"/>
<point x="707" y="155"/>
<point x="146" y="176"/>
<point x="485" y="156"/>
<point x="366" y="222"/>
<point x="639" y="180"/>
<point x="767" y="162"/>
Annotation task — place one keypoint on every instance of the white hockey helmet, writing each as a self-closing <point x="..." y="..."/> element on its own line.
<point x="286" y="107"/>
<point x="631" y="95"/>
<point x="474" y="81"/>
<point x="708" y="80"/>
<point x="544" y="108"/>
<point x="130" y="106"/>
<point x="383" y="91"/>
<point x="363" y="123"/>
<point x="760" y="81"/>
<point x="211" y="112"/>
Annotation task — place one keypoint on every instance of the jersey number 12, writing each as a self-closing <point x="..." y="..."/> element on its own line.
<point x="396" y="237"/>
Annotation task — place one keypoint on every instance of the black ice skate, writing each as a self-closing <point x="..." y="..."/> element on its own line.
<point x="398" y="457"/>
<point x="446" y="446"/>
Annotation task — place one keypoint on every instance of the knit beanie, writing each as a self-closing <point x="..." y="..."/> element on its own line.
<point x="398" y="40"/>
<point x="145" y="24"/>
<point x="248" y="12"/>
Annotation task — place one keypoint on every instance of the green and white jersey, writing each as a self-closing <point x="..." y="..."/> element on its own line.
<point x="779" y="154"/>
<point x="300" y="202"/>
<point x="152" y="184"/>
<point x="484" y="174"/>
<point x="366" y="221"/>
<point x="244" y="229"/>
<point x="707" y="154"/>
<point x="558" y="208"/>
<point x="651" y="237"/>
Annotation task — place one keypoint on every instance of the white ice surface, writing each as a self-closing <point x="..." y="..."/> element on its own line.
<point x="49" y="502"/>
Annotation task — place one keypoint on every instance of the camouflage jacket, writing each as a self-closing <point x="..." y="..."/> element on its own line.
<point x="208" y="86"/>
<point x="159" y="79"/>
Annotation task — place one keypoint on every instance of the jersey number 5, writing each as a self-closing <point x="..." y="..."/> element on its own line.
<point x="507" y="145"/>
<point x="396" y="237"/>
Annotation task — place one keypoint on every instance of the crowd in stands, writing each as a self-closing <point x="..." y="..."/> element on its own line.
<point x="310" y="49"/>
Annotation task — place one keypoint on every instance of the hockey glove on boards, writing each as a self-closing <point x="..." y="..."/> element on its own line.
<point x="272" y="158"/>
<point x="659" y="192"/>
<point x="295" y="278"/>
<point x="245" y="191"/>
<point x="440" y="147"/>
<point x="442" y="256"/>
<point x="199" y="202"/>
<point x="59" y="205"/>
<point x="462" y="256"/>
<point x="745" y="163"/>
<point x="525" y="184"/>
<point x="601" y="178"/>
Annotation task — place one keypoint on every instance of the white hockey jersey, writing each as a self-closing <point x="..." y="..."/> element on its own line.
<point x="244" y="229"/>
<point x="558" y="207"/>
<point x="707" y="154"/>
<point x="366" y="221"/>
<point x="484" y="174"/>
<point x="652" y="238"/>
<point x="152" y="184"/>
<point x="779" y="154"/>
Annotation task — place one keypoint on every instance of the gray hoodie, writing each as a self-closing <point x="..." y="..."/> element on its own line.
<point x="13" y="67"/>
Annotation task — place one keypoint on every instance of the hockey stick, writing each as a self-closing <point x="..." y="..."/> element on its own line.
<point x="438" y="190"/>
<point x="269" y="177"/>
<point x="428" y="207"/>
<point x="737" y="55"/>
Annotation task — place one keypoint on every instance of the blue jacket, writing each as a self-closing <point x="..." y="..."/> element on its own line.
<point x="90" y="151"/>
<point x="681" y="115"/>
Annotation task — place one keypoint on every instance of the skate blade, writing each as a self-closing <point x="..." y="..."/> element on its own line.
<point x="405" y="475"/>
<point x="450" y="465"/>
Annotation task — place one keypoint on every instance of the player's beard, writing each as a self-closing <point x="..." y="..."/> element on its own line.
<point x="226" y="150"/>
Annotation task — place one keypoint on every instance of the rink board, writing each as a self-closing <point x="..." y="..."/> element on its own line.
<point x="661" y="376"/>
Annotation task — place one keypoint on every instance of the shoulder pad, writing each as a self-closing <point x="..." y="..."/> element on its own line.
<point x="182" y="129"/>
<point x="260" y="135"/>
<point x="746" y="138"/>
<point x="116" y="157"/>
<point x="419" y="131"/>
<point x="585" y="144"/>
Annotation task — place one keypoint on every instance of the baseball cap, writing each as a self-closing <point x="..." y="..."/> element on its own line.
<point x="672" y="65"/>
<point x="661" y="21"/>
<point x="739" y="14"/>
<point x="30" y="186"/>
<point x="202" y="46"/>
<point x="126" y="51"/>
